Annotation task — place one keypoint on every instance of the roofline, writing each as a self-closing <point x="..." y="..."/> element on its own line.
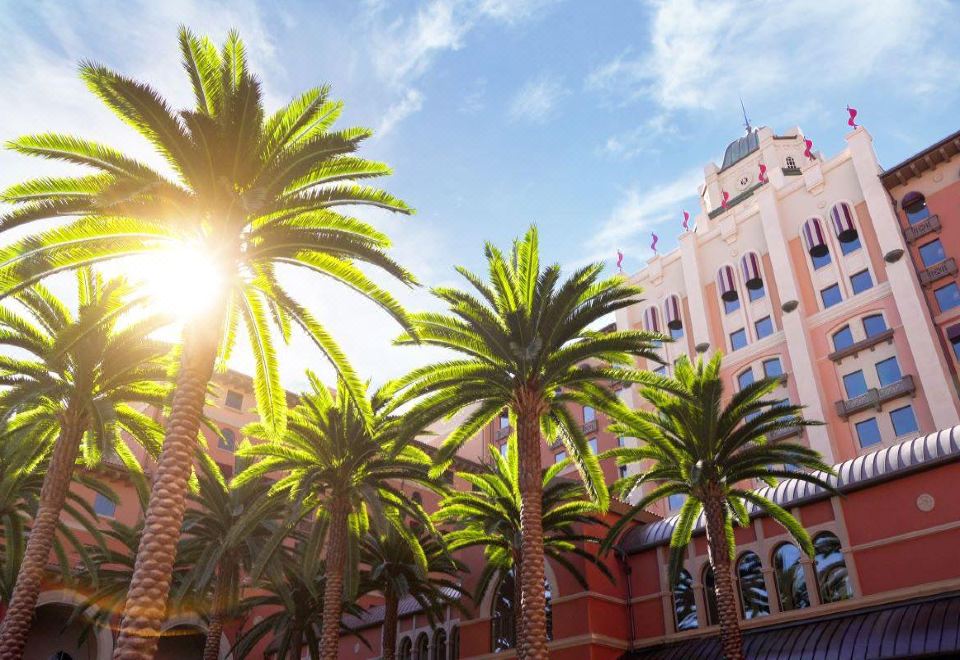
<point x="945" y="149"/>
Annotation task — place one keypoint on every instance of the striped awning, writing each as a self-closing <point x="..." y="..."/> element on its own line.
<point x="752" y="274"/>
<point x="727" y="283"/>
<point x="814" y="239"/>
<point x="671" y="311"/>
<point x="842" y="218"/>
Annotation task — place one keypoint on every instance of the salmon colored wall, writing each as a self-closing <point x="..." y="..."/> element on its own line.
<point x="808" y="297"/>
<point x="714" y="321"/>
<point x="869" y="240"/>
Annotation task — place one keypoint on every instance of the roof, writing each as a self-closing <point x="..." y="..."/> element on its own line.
<point x="741" y="148"/>
<point x="927" y="159"/>
<point x="408" y="605"/>
<point x="921" y="453"/>
<point x="908" y="629"/>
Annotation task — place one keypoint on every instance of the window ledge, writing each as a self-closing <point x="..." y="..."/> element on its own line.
<point x="945" y="268"/>
<point x="862" y="345"/>
<point x="875" y="397"/>
<point x="917" y="230"/>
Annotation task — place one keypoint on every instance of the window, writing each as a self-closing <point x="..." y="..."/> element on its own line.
<point x="589" y="414"/>
<point x="676" y="333"/>
<point x="406" y="649"/>
<point x="104" y="506"/>
<point x="504" y="614"/>
<point x="675" y="501"/>
<point x="842" y="338"/>
<point x="684" y="604"/>
<point x="661" y="370"/>
<point x="757" y="294"/>
<point x="592" y="443"/>
<point x="948" y="296"/>
<point x="226" y="471"/>
<point x="764" y="327"/>
<point x="559" y="456"/>
<point x="455" y="643"/>
<point x="831" y="296"/>
<point x="227" y="439"/>
<point x="439" y="645"/>
<point x="621" y="441"/>
<point x="850" y="246"/>
<point x="423" y="647"/>
<point x="738" y="339"/>
<point x="772" y="368"/>
<point x="932" y="253"/>
<point x="754" y="599"/>
<point x="904" y="421"/>
<point x="504" y="420"/>
<point x="868" y="432"/>
<point x="730" y="306"/>
<point x="874" y="325"/>
<point x="745" y="378"/>
<point x="888" y="371"/>
<point x="915" y="206"/>
<point x="820" y="262"/>
<point x="234" y="400"/>
<point x="833" y="581"/>
<point x="504" y="449"/>
<point x="790" y="578"/>
<point x="953" y="333"/>
<point x="622" y="471"/>
<point x="854" y="384"/>
<point x="710" y="596"/>
<point x="791" y="163"/>
<point x="861" y="282"/>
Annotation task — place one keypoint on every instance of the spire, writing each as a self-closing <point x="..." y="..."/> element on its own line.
<point x="746" y="120"/>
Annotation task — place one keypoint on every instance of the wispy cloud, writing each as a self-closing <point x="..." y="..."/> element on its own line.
<point x="410" y="103"/>
<point x="475" y="100"/>
<point x="536" y="100"/>
<point x="647" y="138"/>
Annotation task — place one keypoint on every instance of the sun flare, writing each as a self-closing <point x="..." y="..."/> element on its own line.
<point x="183" y="280"/>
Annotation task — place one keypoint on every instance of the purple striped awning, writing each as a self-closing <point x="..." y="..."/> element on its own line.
<point x="842" y="219"/>
<point x="727" y="283"/>
<point x="671" y="312"/>
<point x="651" y="319"/>
<point x="814" y="239"/>
<point x="752" y="274"/>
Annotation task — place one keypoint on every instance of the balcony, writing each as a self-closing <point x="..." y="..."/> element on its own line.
<point x="590" y="427"/>
<point x="784" y="433"/>
<point x="791" y="171"/>
<point x="922" y="228"/>
<point x="503" y="433"/>
<point x="945" y="268"/>
<point x="863" y="344"/>
<point x="875" y="397"/>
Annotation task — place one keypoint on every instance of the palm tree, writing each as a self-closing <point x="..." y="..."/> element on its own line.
<point x="488" y="516"/>
<point x="711" y="452"/>
<point x="527" y="346"/>
<point x="341" y="465"/>
<point x="252" y="192"/>
<point x="80" y="377"/>
<point x="416" y="566"/>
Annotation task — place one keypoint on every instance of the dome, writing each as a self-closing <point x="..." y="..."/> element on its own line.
<point x="741" y="148"/>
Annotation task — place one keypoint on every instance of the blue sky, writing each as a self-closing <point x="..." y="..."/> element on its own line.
<point x="592" y="119"/>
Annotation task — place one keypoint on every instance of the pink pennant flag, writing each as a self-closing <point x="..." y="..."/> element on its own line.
<point x="620" y="261"/>
<point x="686" y="221"/>
<point x="653" y="243"/>
<point x="809" y="144"/>
<point x="763" y="173"/>
<point x="726" y="197"/>
<point x="853" y="116"/>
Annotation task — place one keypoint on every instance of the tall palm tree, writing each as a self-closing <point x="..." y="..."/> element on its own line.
<point x="342" y="466"/>
<point x="250" y="191"/>
<point x="417" y="566"/>
<point x="488" y="516"/>
<point x="223" y="535"/>
<point x="697" y="445"/>
<point x="81" y="375"/>
<point x="526" y="344"/>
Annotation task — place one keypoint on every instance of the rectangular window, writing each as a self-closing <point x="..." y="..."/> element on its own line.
<point x="592" y="442"/>
<point x="888" y="371"/>
<point x="820" y="262"/>
<point x="757" y="294"/>
<point x="234" y="400"/>
<point x="868" y="432"/>
<point x="504" y="449"/>
<point x="948" y="296"/>
<point x="676" y="333"/>
<point x="730" y="306"/>
<point x="622" y="471"/>
<point x="621" y="441"/>
<point x="772" y="368"/>
<point x="504" y="420"/>
<point x="861" y="281"/>
<point x="850" y="246"/>
<point x="738" y="339"/>
<point x="676" y="501"/>
<point x="904" y="421"/>
<point x="854" y="384"/>
<point x="227" y="439"/>
<point x="589" y="414"/>
<point x="932" y="253"/>
<point x="559" y="456"/>
<point x="831" y="296"/>
<point x="764" y="327"/>
<point x="745" y="378"/>
<point x="661" y="370"/>
<point x="874" y="325"/>
<point x="955" y="342"/>
<point x="842" y="338"/>
<point x="226" y="471"/>
<point x="103" y="506"/>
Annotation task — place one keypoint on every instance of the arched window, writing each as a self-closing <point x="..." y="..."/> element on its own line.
<point x="842" y="338"/>
<point x="439" y="645"/>
<point x="651" y="319"/>
<point x="833" y="579"/>
<point x="915" y="206"/>
<point x="752" y="272"/>
<point x="815" y="241"/>
<point x="504" y="613"/>
<point x="874" y="324"/>
<point x="710" y="596"/>
<point x="754" y="599"/>
<point x="228" y="439"/>
<point x="422" y="650"/>
<point x="684" y="604"/>
<point x="791" y="163"/>
<point x="790" y="578"/>
<point x="727" y="283"/>
<point x="843" y="226"/>
<point x="406" y="649"/>
<point x="673" y="316"/>
<point x="455" y="643"/>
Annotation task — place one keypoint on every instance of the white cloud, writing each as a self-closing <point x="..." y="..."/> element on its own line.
<point x="703" y="53"/>
<point x="475" y="100"/>
<point x="410" y="103"/>
<point x="536" y="100"/>
<point x="513" y="11"/>
<point x="646" y="138"/>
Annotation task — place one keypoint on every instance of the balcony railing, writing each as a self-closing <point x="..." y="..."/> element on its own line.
<point x="875" y="397"/>
<point x="780" y="434"/>
<point x="862" y="345"/>
<point x="945" y="268"/>
<point x="922" y="228"/>
<point x="590" y="427"/>
<point x="503" y="433"/>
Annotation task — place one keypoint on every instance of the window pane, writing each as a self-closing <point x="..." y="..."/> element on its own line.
<point x="868" y="432"/>
<point x="874" y="325"/>
<point x="861" y="281"/>
<point x="917" y="213"/>
<point x="790" y="579"/>
<point x="745" y="378"/>
<point x="589" y="414"/>
<point x="820" y="262"/>
<point x="504" y="449"/>
<point x="904" y="421"/>
<point x="757" y="294"/>
<point x="832" y="577"/>
<point x="831" y="296"/>
<point x="103" y="506"/>
<point x="738" y="339"/>
<point x="592" y="442"/>
<point x="932" y="253"/>
<point x="852" y="246"/>
<point x="661" y="370"/>
<point x="710" y="596"/>
<point x="559" y="456"/>
<point x="622" y="471"/>
<point x="948" y="296"/>
<point x="730" y="306"/>
<point x="842" y="338"/>
<point x="854" y="384"/>
<point x="228" y="440"/>
<point x="754" y="599"/>
<point x="504" y="419"/>
<point x="888" y="371"/>
<point x="676" y="501"/>
<point x="764" y="327"/>
<point x="676" y="333"/>
<point x="234" y="400"/>
<point x="772" y="368"/>
<point x="684" y="604"/>
<point x="956" y="346"/>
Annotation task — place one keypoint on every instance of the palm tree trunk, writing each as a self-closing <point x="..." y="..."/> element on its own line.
<point x="731" y="639"/>
<point x="53" y="494"/>
<point x="518" y="613"/>
<point x="333" y="589"/>
<point x="150" y="585"/>
<point x="391" y="605"/>
<point x="211" y="648"/>
<point x="533" y="643"/>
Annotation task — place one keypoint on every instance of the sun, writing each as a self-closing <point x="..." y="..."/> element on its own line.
<point x="182" y="280"/>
